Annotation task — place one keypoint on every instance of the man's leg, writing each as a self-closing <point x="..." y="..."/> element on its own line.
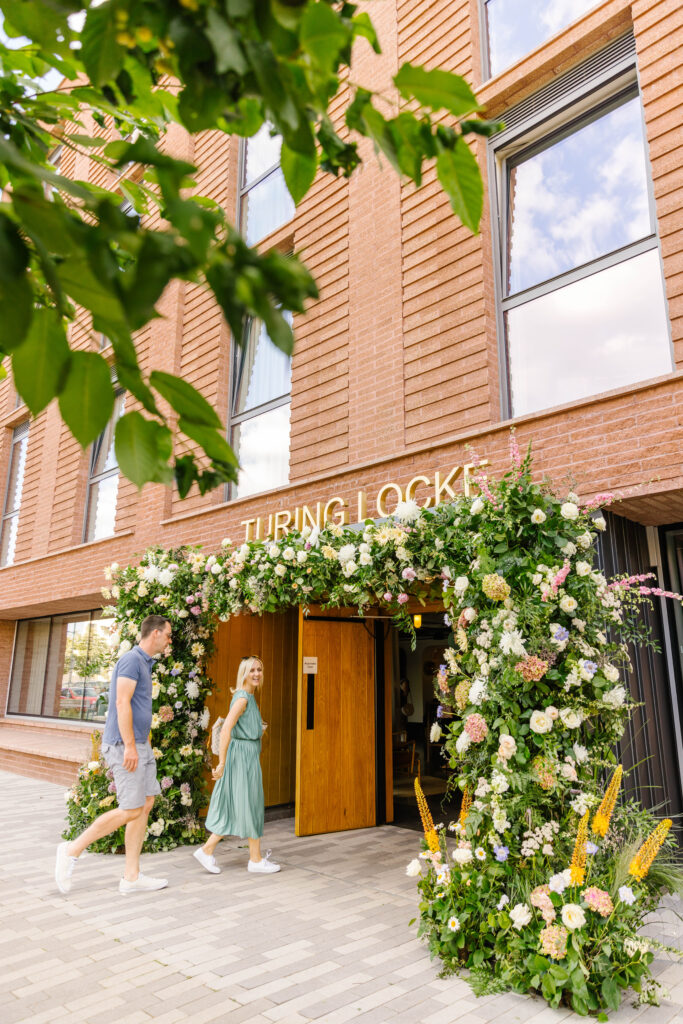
<point x="103" y="826"/>
<point x="135" y="836"/>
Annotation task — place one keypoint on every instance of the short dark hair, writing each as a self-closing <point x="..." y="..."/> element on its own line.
<point x="151" y="623"/>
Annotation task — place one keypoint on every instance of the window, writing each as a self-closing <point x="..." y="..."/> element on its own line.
<point x="580" y="283"/>
<point x="516" y="27"/>
<point x="103" y="482"/>
<point x="265" y="203"/>
<point x="62" y="666"/>
<point x="261" y="386"/>
<point x="15" y="482"/>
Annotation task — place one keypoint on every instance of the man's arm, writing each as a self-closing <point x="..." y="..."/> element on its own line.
<point x="125" y="688"/>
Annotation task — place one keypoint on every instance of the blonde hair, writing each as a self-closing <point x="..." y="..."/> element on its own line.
<point x="243" y="671"/>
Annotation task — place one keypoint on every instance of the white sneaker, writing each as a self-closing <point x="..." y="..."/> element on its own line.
<point x="264" y="866"/>
<point x="142" y="884"/>
<point x="207" y="861"/>
<point x="64" y="868"/>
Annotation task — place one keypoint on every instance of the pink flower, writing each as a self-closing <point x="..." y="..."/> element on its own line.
<point x="196" y="610"/>
<point x="408" y="574"/>
<point x="476" y="728"/>
<point x="403" y="598"/>
<point x="598" y="900"/>
<point x="388" y="596"/>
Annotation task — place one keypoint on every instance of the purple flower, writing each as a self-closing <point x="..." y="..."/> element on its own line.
<point x="111" y="788"/>
<point x="178" y="704"/>
<point x="561" y="634"/>
<point x="109" y="774"/>
<point x="591" y="847"/>
<point x="590" y="668"/>
<point x="439" y="711"/>
<point x="166" y="782"/>
<point x="501" y="853"/>
<point x="307" y="546"/>
<point x="446" y="620"/>
<point x="192" y="673"/>
<point x="408" y="573"/>
<point x="176" y="671"/>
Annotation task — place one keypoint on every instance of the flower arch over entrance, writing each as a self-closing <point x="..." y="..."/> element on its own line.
<point x="533" y="680"/>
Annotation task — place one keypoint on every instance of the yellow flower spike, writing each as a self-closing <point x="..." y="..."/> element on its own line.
<point x="465" y="808"/>
<point x="601" y="818"/>
<point x="641" y="863"/>
<point x="577" y="869"/>
<point x="427" y="820"/>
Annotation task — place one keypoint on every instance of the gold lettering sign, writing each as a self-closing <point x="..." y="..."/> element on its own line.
<point x="336" y="509"/>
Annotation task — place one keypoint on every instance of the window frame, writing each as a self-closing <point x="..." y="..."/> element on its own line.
<point x="97" y="478"/>
<point x="20" y="432"/>
<point x="235" y="419"/>
<point x="244" y="187"/>
<point x="603" y="87"/>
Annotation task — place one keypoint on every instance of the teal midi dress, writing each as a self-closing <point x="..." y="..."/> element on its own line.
<point x="237" y="804"/>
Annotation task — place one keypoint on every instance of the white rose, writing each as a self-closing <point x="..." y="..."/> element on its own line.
<point x="569" y="549"/>
<point x="124" y="646"/>
<point x="216" y="568"/>
<point x="538" y="516"/>
<point x="568" y="604"/>
<point x="536" y="578"/>
<point x="280" y="569"/>
<point x="461" y="584"/>
<point x="584" y="540"/>
<point x="520" y="915"/>
<point x="571" y="719"/>
<point x="569" y="510"/>
<point x="573" y="916"/>
<point x="599" y="523"/>
<point x="507" y="747"/>
<point x="365" y="558"/>
<point x="477" y="506"/>
<point x="274" y="551"/>
<point x="413" y="869"/>
<point x="347" y="553"/>
<point x="568" y="771"/>
<point x="470" y="614"/>
<point x="552" y="712"/>
<point x="288" y="554"/>
<point x="462" y="855"/>
<point x="540" y="722"/>
<point x="583" y="568"/>
<point x="615" y="697"/>
<point x="435" y="733"/>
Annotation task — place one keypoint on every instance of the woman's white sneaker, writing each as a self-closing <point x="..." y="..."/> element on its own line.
<point x="64" y="867"/>
<point x="142" y="884"/>
<point x="207" y="861"/>
<point x="266" y="866"/>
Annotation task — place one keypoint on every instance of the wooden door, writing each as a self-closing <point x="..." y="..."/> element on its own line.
<point x="273" y="639"/>
<point x="336" y="771"/>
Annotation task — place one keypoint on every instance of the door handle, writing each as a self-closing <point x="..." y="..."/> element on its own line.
<point x="310" y="700"/>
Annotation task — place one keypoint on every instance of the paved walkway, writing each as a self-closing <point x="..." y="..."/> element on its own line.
<point x="325" y="940"/>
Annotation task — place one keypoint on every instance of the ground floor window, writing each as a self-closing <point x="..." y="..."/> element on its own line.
<point x="61" y="666"/>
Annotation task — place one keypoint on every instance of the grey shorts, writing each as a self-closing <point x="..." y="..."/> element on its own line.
<point x="132" y="788"/>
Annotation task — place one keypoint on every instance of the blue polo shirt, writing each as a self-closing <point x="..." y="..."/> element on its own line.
<point x="134" y="664"/>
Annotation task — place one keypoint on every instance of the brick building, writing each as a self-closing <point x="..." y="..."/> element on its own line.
<point x="564" y="317"/>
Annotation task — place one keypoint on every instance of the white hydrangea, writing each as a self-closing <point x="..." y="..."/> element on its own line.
<point x="582" y="568"/>
<point x="615" y="697"/>
<point x="611" y="673"/>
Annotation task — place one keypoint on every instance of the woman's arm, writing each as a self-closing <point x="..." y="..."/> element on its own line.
<point x="234" y="713"/>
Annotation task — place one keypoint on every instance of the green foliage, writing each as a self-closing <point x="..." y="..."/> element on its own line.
<point x="66" y="248"/>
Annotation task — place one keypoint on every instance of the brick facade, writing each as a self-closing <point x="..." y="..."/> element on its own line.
<point x="396" y="368"/>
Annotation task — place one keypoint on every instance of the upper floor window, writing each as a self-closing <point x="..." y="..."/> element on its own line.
<point x="516" y="27"/>
<point x="259" y="420"/>
<point x="103" y="480"/>
<point x="15" y="483"/>
<point x="265" y="202"/>
<point x="581" y="286"/>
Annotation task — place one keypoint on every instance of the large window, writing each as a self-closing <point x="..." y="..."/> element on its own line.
<point x="103" y="481"/>
<point x="581" y="288"/>
<point x="265" y="203"/>
<point x="259" y="420"/>
<point x="15" y="481"/>
<point x="62" y="666"/>
<point x="516" y="27"/>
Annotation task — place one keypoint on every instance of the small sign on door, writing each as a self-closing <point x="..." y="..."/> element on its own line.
<point x="310" y="666"/>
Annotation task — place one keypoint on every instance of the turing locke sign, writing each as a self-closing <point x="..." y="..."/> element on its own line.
<point x="277" y="524"/>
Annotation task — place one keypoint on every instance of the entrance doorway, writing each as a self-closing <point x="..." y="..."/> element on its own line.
<point x="414" y="710"/>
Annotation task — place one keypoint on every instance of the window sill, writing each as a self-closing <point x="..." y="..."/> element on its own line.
<point x="16" y="417"/>
<point x="68" y="551"/>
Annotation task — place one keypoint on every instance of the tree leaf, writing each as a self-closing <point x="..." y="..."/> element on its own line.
<point x="39" y="365"/>
<point x="439" y="90"/>
<point x="78" y="281"/>
<point x="102" y="55"/>
<point x="363" y="26"/>
<point x="226" y="44"/>
<point x="86" y="401"/>
<point x="16" y="310"/>
<point x="458" y="172"/>
<point x="143" y="448"/>
<point x="298" y="170"/>
<point x="323" y="34"/>
<point x="212" y="441"/>
<point x="185" y="399"/>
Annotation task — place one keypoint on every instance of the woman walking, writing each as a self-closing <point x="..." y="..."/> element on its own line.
<point x="237" y="805"/>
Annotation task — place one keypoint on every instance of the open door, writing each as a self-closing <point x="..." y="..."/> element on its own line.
<point x="336" y="769"/>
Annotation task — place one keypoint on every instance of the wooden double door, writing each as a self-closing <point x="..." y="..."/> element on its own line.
<point x="320" y="748"/>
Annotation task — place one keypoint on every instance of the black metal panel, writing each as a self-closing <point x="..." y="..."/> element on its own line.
<point x="648" y="749"/>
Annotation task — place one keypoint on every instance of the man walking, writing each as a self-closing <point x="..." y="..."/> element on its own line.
<point x="128" y="752"/>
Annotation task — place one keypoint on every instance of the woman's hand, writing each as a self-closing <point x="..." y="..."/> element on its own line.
<point x="264" y="726"/>
<point x="218" y="771"/>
